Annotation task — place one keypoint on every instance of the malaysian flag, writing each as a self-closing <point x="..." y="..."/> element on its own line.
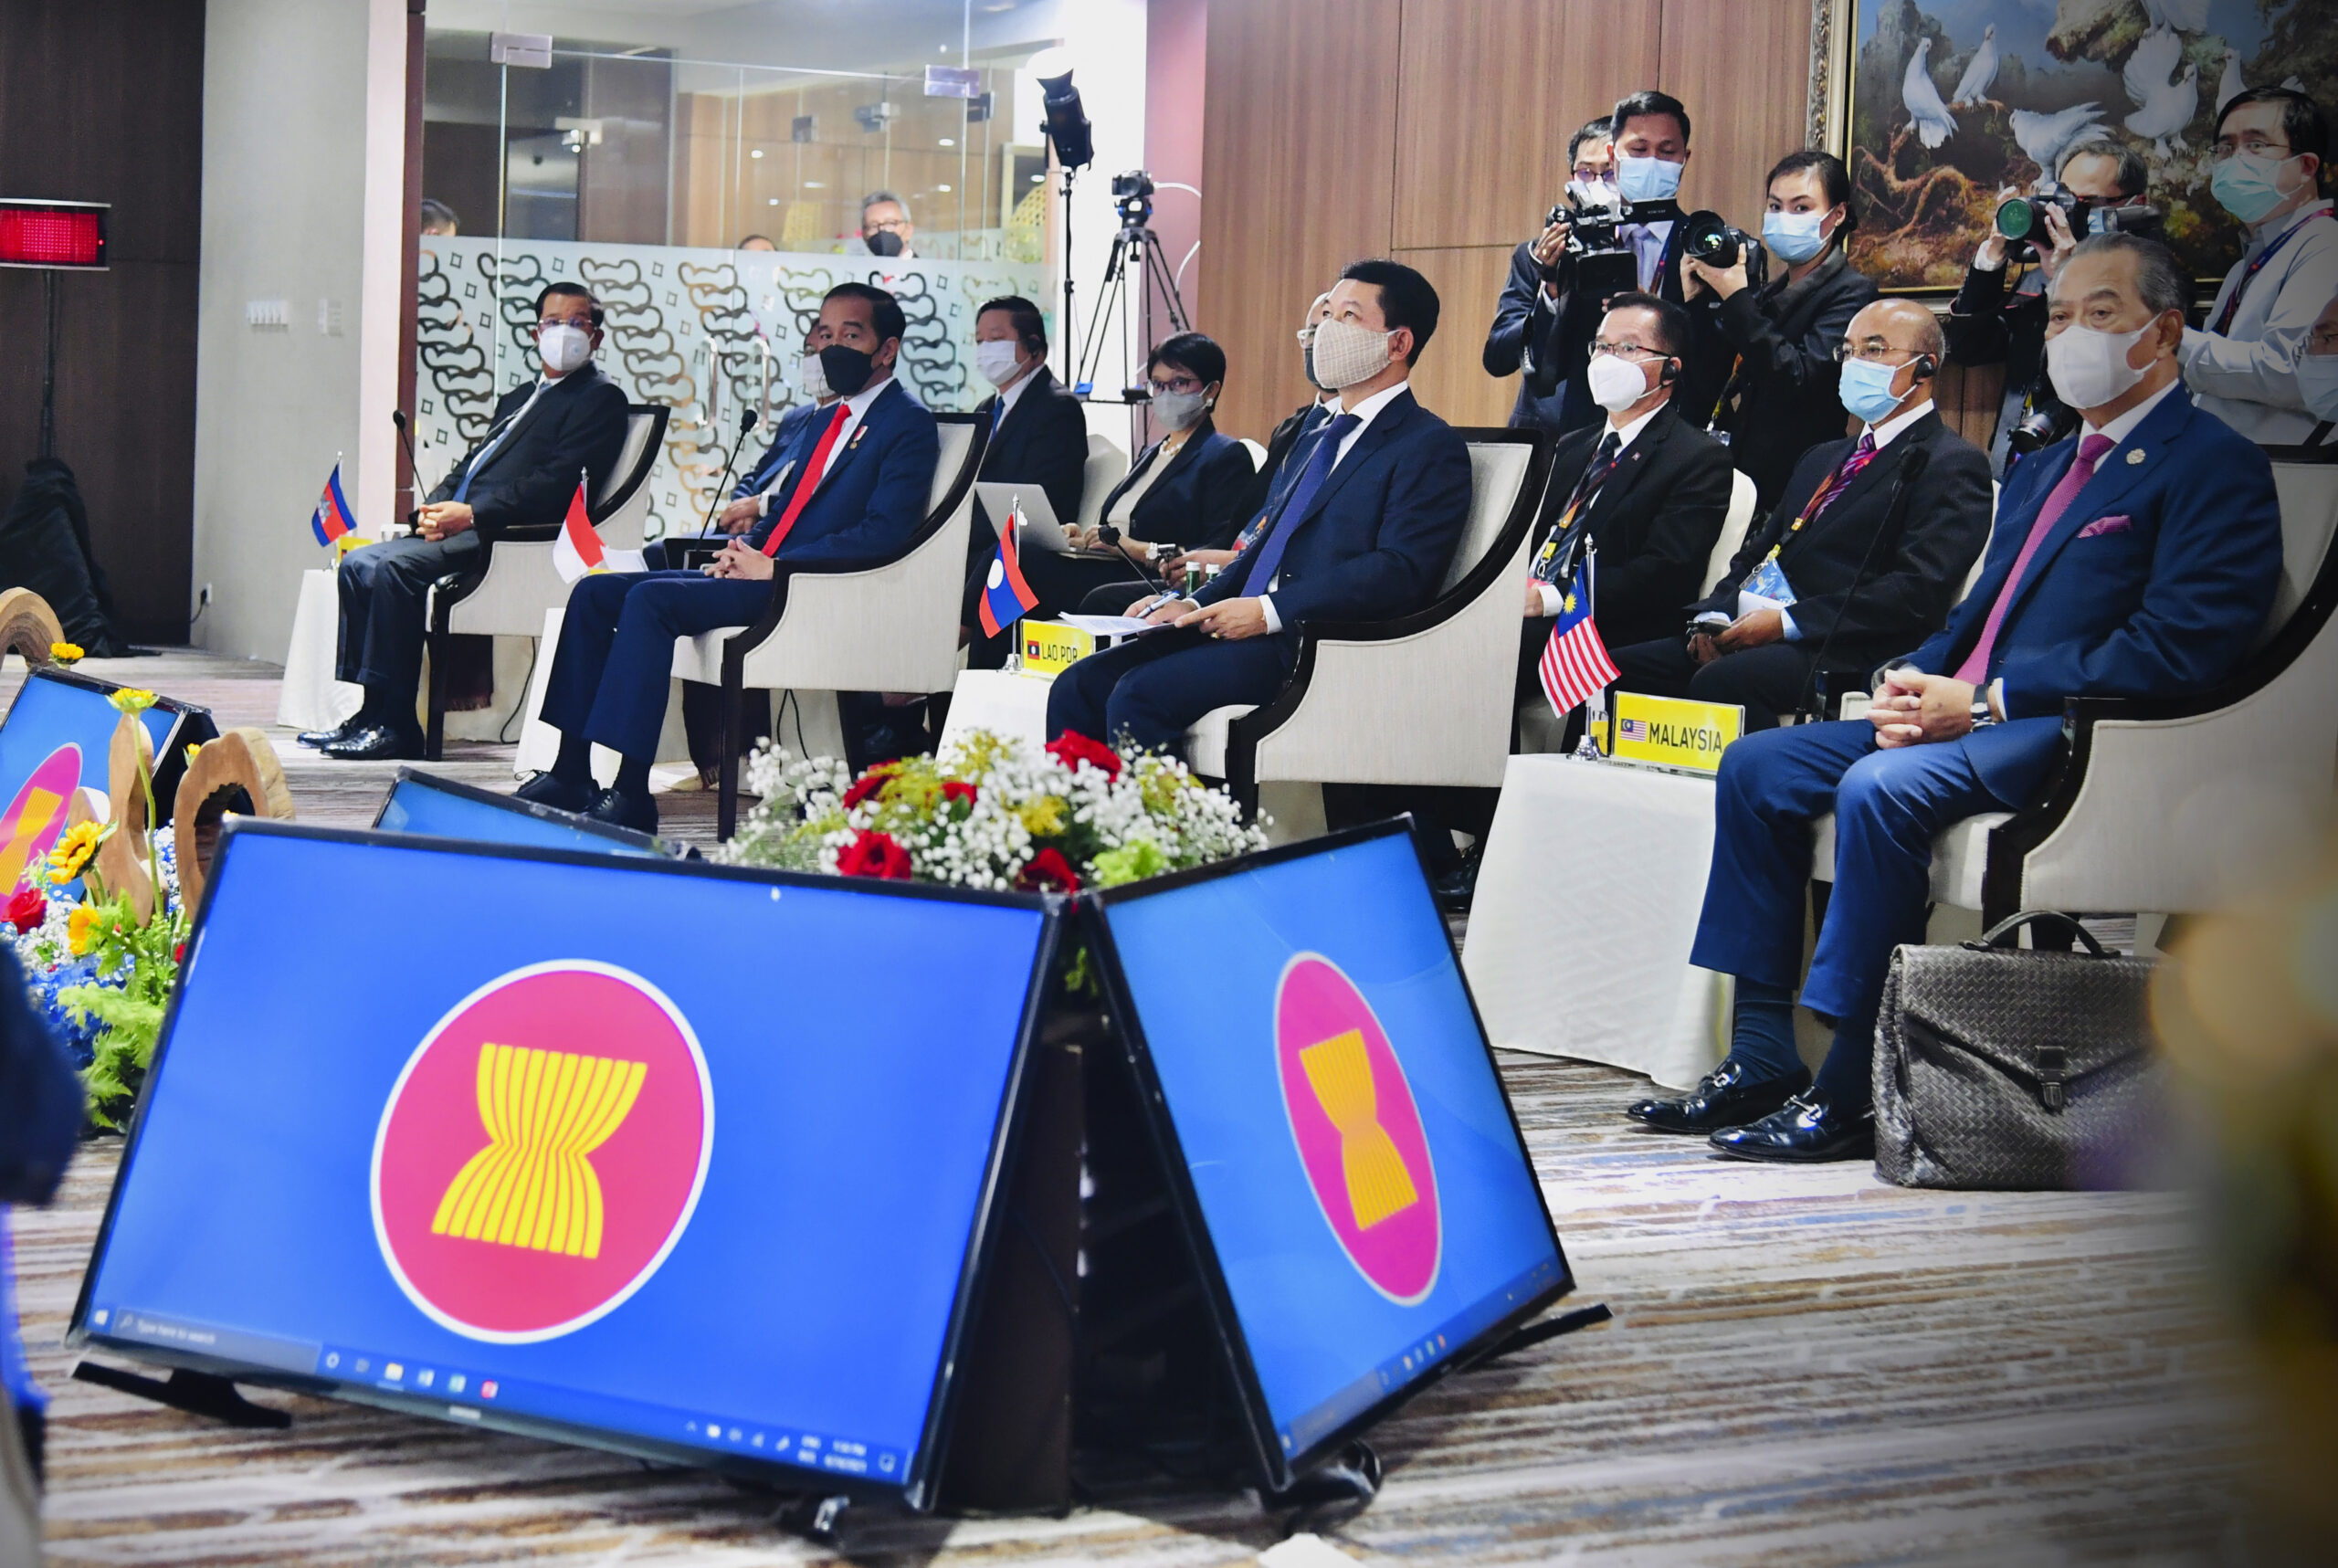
<point x="1575" y="667"/>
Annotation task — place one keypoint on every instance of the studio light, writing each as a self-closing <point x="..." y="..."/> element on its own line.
<point x="1067" y="124"/>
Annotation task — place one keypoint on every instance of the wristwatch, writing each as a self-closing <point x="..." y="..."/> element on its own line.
<point x="1982" y="716"/>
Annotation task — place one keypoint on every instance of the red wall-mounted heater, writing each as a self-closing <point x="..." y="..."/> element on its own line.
<point x="53" y="234"/>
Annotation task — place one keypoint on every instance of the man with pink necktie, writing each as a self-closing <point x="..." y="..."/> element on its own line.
<point x="2136" y="559"/>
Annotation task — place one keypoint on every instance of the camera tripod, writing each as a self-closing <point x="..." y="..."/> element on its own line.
<point x="1156" y="292"/>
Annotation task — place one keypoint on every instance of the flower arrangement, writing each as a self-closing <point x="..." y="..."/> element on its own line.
<point x="65" y="653"/>
<point x="990" y="813"/>
<point x="100" y="973"/>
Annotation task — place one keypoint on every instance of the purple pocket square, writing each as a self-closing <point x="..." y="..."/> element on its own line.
<point x="2120" y="523"/>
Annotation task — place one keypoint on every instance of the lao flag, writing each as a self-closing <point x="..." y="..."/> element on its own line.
<point x="1005" y="597"/>
<point x="1575" y="667"/>
<point x="577" y="552"/>
<point x="332" y="518"/>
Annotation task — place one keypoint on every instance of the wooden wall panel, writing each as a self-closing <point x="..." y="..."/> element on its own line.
<point x="1488" y="93"/>
<point x="103" y="100"/>
<point x="1742" y="67"/>
<point x="1298" y="151"/>
<point x="1451" y="379"/>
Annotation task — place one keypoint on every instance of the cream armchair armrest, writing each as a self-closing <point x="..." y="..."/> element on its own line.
<point x="520" y="582"/>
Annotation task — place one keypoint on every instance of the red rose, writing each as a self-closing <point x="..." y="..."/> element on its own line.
<point x="867" y="784"/>
<point x="872" y="854"/>
<point x="1071" y="749"/>
<point x="958" y="789"/>
<point x="178" y="954"/>
<point x="28" y="910"/>
<point x="1048" y="872"/>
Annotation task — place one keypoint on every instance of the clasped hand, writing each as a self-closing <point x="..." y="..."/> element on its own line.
<point x="739" y="560"/>
<point x="1912" y="708"/>
<point x="444" y="519"/>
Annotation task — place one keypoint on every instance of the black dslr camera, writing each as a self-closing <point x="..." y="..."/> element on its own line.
<point x="2022" y="221"/>
<point x="1595" y="253"/>
<point x="1133" y="196"/>
<point x="1706" y="238"/>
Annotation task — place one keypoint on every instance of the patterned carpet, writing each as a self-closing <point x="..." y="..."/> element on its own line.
<point x="1806" y="1367"/>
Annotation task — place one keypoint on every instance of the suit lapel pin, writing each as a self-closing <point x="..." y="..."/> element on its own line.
<point x="857" y="434"/>
<point x="2135" y="457"/>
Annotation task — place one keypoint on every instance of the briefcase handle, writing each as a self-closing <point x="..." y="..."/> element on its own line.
<point x="2007" y="932"/>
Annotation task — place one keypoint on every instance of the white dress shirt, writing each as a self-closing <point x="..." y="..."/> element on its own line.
<point x="854" y="407"/>
<point x="1624" y="436"/>
<point x="1150" y="468"/>
<point x="1365" y="412"/>
<point x="2248" y="376"/>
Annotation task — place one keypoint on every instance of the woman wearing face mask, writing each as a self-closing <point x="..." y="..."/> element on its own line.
<point x="1780" y="400"/>
<point x="1184" y="491"/>
<point x="2267" y="169"/>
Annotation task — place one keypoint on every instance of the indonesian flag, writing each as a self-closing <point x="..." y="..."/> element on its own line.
<point x="1575" y="667"/>
<point x="577" y="552"/>
<point x="1005" y="596"/>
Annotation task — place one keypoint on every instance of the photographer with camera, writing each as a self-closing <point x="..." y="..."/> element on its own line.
<point x="2097" y="188"/>
<point x="1537" y="326"/>
<point x="1780" y="401"/>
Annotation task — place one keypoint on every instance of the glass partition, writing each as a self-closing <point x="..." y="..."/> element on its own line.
<point x="709" y="173"/>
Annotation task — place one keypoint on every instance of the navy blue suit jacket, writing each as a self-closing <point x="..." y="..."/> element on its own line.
<point x="785" y="435"/>
<point x="1194" y="504"/>
<point x="1377" y="538"/>
<point x="874" y="493"/>
<point x="2153" y="583"/>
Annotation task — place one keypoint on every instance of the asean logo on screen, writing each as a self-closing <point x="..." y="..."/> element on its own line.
<point x="1358" y="1130"/>
<point x="33" y="820"/>
<point x="542" y="1151"/>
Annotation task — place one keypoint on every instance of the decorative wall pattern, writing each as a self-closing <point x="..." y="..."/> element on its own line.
<point x="689" y="328"/>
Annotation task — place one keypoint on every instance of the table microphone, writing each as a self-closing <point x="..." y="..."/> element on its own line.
<point x="747" y="418"/>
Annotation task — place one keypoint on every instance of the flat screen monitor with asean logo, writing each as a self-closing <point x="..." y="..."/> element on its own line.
<point x="723" y="1203"/>
<point x="1361" y="1200"/>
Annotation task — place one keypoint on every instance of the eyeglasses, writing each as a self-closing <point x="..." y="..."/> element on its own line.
<point x="1624" y="350"/>
<point x="1873" y="353"/>
<point x="885" y="225"/>
<point x="2254" y="145"/>
<point x="1182" y="383"/>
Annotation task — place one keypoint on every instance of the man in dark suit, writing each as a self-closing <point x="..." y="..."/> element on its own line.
<point x="856" y="494"/>
<point x="1781" y="400"/>
<point x="1538" y="329"/>
<point x="570" y="422"/>
<point x="2138" y="559"/>
<point x="1845" y="523"/>
<point x="1366" y="533"/>
<point x="1038" y="431"/>
<point x="1302" y="421"/>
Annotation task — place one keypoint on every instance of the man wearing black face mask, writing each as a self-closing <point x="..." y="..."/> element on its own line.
<point x="885" y="226"/>
<point x="2001" y="320"/>
<point x="570" y="420"/>
<point x="858" y="488"/>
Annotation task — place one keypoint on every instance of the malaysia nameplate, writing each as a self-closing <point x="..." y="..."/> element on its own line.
<point x="1673" y="732"/>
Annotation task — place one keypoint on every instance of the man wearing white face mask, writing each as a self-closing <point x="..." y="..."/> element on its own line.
<point x="1781" y="402"/>
<point x="1540" y="328"/>
<point x="1039" y="434"/>
<point x="2136" y="559"/>
<point x="2271" y="146"/>
<point x="570" y="421"/>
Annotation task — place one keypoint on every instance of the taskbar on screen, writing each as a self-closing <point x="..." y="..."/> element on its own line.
<point x="469" y="1394"/>
<point x="1416" y="1360"/>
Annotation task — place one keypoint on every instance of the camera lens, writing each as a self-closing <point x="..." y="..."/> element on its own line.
<point x="1707" y="238"/>
<point x="2017" y="218"/>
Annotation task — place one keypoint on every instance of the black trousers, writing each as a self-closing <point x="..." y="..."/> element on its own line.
<point x="384" y="589"/>
<point x="1063" y="584"/>
<point x="1767" y="681"/>
<point x="702" y="704"/>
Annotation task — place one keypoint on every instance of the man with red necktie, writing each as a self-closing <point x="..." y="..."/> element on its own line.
<point x="2138" y="558"/>
<point x="863" y="473"/>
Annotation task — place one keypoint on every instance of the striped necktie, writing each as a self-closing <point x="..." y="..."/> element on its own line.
<point x="1603" y="463"/>
<point x="1976" y="667"/>
<point x="1840" y="480"/>
<point x="1262" y="575"/>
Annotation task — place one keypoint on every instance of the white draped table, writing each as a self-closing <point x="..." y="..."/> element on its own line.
<point x="1586" y="905"/>
<point x="311" y="697"/>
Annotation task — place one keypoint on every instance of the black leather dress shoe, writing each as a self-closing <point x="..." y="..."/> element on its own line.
<point x="1722" y="1097"/>
<point x="1806" y="1129"/>
<point x="546" y="790"/>
<point x="638" y="812"/>
<point x="377" y="743"/>
<point x="341" y="732"/>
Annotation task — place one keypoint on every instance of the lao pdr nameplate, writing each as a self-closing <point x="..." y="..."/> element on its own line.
<point x="1050" y="648"/>
<point x="1673" y="732"/>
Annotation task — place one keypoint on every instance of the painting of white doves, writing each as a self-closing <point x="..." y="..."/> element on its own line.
<point x="2183" y="15"/>
<point x="2165" y="107"/>
<point x="1972" y="86"/>
<point x="2042" y="137"/>
<point x="1929" y="116"/>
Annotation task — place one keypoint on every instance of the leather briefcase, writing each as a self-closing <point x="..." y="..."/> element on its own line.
<point x="1997" y="1066"/>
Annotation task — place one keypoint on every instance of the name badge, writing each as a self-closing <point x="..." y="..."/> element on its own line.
<point x="1768" y="581"/>
<point x="1671" y="733"/>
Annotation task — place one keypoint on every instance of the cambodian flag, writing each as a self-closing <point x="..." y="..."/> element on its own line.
<point x="332" y="516"/>
<point x="1005" y="597"/>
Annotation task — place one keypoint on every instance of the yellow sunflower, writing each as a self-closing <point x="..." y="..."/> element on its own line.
<point x="65" y="652"/>
<point x="73" y="851"/>
<point x="133" y="699"/>
<point x="81" y="930"/>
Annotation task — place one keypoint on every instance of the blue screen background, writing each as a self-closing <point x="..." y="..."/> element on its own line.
<point x="1315" y="1328"/>
<point x="853" y="1120"/>
<point x="47" y="714"/>
<point x="414" y="807"/>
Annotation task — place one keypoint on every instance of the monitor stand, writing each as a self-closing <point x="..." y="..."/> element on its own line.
<point x="196" y="1393"/>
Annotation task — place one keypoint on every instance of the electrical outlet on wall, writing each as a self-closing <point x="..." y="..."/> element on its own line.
<point x="267" y="315"/>
<point x="329" y="318"/>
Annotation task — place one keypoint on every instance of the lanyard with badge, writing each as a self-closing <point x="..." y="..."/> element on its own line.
<point x="2249" y="274"/>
